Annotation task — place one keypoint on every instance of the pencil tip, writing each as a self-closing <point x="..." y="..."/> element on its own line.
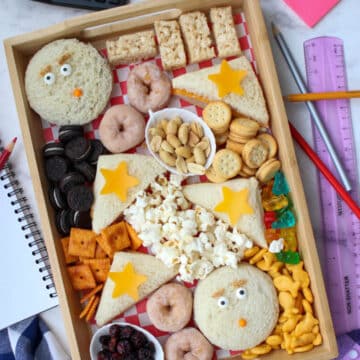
<point x="274" y="29"/>
<point x="14" y="140"/>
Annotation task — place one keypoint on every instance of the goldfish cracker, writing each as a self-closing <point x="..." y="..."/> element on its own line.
<point x="289" y="236"/>
<point x="287" y="343"/>
<point x="257" y="257"/>
<point x="261" y="349"/>
<point x="276" y="266"/>
<point x="305" y="339"/>
<point x="285" y="271"/>
<point x="308" y="295"/>
<point x="305" y="325"/>
<point x="318" y="340"/>
<point x="291" y="323"/>
<point x="275" y="203"/>
<point x="263" y="266"/>
<point x="277" y="330"/>
<point x="299" y="304"/>
<point x="269" y="258"/>
<point x="316" y="329"/>
<point x="299" y="274"/>
<point x="249" y="253"/>
<point x="307" y="306"/>
<point x="274" y="274"/>
<point x="304" y="348"/>
<point x="285" y="283"/>
<point x="273" y="340"/>
<point x="286" y="301"/>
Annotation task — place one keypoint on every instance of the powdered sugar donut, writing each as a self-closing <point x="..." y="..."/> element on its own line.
<point x="121" y="128"/>
<point x="148" y="88"/>
<point x="188" y="343"/>
<point x="170" y="307"/>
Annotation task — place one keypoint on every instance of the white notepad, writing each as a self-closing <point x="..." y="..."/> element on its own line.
<point x="24" y="289"/>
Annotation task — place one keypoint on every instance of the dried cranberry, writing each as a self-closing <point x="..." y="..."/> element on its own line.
<point x="124" y="347"/>
<point x="104" y="340"/>
<point x="113" y="343"/>
<point x="145" y="354"/>
<point x="104" y="354"/>
<point x="138" y="339"/>
<point x="126" y="332"/>
<point x="114" y="330"/>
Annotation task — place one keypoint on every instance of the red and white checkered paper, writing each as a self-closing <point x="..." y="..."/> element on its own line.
<point x="137" y="314"/>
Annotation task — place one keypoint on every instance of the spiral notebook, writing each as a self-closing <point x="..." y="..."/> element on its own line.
<point x="26" y="286"/>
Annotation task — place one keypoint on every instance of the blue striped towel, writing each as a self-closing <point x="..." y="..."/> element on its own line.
<point x="30" y="339"/>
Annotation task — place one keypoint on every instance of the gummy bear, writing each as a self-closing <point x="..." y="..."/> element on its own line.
<point x="289" y="235"/>
<point x="275" y="203"/>
<point x="280" y="186"/>
<point x="272" y="234"/>
<point x="266" y="191"/>
<point x="285" y="219"/>
<point x="288" y="257"/>
<point x="269" y="218"/>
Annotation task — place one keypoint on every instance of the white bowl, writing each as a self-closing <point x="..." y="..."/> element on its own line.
<point x="95" y="345"/>
<point x="188" y="117"/>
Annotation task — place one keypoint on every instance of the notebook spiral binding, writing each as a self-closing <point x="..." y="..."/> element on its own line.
<point x="29" y="226"/>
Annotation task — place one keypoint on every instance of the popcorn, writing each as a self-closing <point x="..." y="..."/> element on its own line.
<point x="276" y="246"/>
<point x="178" y="234"/>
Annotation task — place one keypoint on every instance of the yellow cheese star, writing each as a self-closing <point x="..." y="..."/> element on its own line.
<point x="127" y="282"/>
<point x="235" y="204"/>
<point x="228" y="80"/>
<point x="118" y="181"/>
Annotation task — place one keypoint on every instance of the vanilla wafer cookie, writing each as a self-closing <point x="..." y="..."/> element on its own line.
<point x="227" y="163"/>
<point x="270" y="142"/>
<point x="244" y="127"/>
<point x="255" y="153"/>
<point x="268" y="170"/>
<point x="217" y="115"/>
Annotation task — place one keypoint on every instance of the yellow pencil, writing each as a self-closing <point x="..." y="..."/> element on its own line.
<point x="323" y="96"/>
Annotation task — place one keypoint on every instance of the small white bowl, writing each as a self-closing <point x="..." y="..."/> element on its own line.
<point x="187" y="117"/>
<point x="95" y="345"/>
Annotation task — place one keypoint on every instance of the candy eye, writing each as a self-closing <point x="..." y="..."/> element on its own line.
<point x="65" y="70"/>
<point x="241" y="293"/>
<point x="223" y="302"/>
<point x="49" y="78"/>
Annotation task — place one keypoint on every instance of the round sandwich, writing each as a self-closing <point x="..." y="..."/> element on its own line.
<point x="236" y="309"/>
<point x="68" y="82"/>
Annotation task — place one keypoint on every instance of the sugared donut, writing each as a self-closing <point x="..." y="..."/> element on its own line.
<point x="188" y="343"/>
<point x="170" y="307"/>
<point x="148" y="88"/>
<point x="121" y="128"/>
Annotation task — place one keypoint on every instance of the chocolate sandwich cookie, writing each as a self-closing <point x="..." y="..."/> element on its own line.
<point x="80" y="219"/>
<point x="78" y="149"/>
<point x="62" y="222"/>
<point x="56" y="167"/>
<point x="97" y="149"/>
<point x="86" y="169"/>
<point x="80" y="198"/>
<point x="57" y="199"/>
<point x="53" y="149"/>
<point x="68" y="132"/>
<point x="70" y="180"/>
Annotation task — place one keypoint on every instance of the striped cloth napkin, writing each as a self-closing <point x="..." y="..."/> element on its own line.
<point x="30" y="339"/>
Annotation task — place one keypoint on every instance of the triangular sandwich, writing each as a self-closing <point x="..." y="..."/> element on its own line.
<point x="197" y="88"/>
<point x="132" y="277"/>
<point x="118" y="179"/>
<point x="237" y="202"/>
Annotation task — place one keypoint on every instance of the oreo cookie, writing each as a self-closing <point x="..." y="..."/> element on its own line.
<point x="78" y="149"/>
<point x="55" y="168"/>
<point x="53" y="149"/>
<point x="68" y="132"/>
<point x="56" y="198"/>
<point x="80" y="219"/>
<point x="70" y="180"/>
<point x="80" y="198"/>
<point x="97" y="149"/>
<point x="62" y="222"/>
<point x="86" y="169"/>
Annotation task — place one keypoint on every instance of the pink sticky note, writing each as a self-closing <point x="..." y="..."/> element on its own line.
<point x="311" y="11"/>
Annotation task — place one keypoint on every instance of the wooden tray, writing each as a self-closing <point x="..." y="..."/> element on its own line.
<point x="107" y="24"/>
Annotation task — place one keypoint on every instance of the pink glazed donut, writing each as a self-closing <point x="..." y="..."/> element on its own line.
<point x="148" y="88"/>
<point x="121" y="128"/>
<point x="188" y="344"/>
<point x="170" y="307"/>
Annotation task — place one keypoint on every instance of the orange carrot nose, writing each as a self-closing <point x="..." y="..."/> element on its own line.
<point x="77" y="92"/>
<point x="242" y="322"/>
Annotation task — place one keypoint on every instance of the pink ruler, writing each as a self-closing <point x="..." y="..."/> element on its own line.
<point x="326" y="71"/>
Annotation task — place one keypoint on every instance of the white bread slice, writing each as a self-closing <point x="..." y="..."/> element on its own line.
<point x="209" y="195"/>
<point x="154" y="269"/>
<point x="107" y="208"/>
<point x="196" y="86"/>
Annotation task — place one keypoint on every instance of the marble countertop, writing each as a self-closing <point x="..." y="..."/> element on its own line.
<point x="20" y="16"/>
